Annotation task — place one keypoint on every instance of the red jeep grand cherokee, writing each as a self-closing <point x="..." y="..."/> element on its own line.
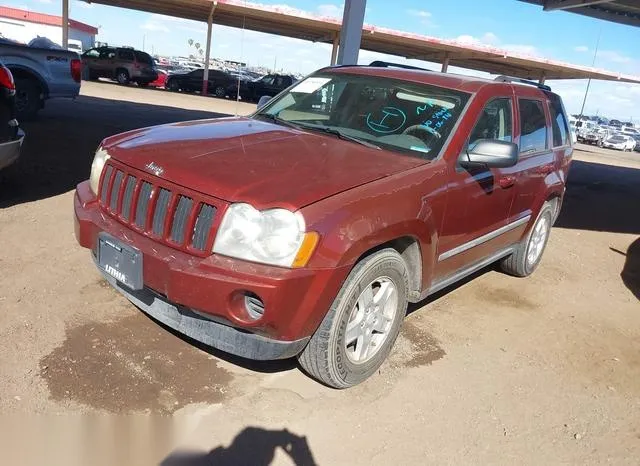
<point x="305" y="229"/>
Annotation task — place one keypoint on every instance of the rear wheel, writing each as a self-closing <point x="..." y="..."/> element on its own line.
<point x="122" y="76"/>
<point x="363" y="323"/>
<point x="527" y="256"/>
<point x="172" y="86"/>
<point x="28" y="99"/>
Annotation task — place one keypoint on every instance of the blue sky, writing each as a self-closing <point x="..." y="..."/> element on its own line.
<point x="508" y="24"/>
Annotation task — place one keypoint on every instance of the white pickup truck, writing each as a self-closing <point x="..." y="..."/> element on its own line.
<point x="40" y="74"/>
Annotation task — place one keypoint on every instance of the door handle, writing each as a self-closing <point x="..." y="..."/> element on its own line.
<point x="545" y="169"/>
<point x="507" y="181"/>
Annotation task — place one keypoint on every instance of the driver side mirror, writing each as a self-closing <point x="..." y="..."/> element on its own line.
<point x="490" y="153"/>
<point x="264" y="100"/>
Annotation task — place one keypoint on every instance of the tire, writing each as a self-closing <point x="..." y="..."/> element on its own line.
<point x="220" y="91"/>
<point x="122" y="76"/>
<point x="327" y="358"/>
<point x="28" y="99"/>
<point x="143" y="84"/>
<point x="172" y="86"/>
<point x="521" y="263"/>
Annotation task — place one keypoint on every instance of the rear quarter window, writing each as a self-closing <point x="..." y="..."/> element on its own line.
<point x="558" y="123"/>
<point x="533" y="126"/>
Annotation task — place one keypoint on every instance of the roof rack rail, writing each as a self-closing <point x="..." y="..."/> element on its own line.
<point x="509" y="79"/>
<point x="386" y="64"/>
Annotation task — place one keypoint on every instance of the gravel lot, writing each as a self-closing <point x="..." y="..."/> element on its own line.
<point x="497" y="370"/>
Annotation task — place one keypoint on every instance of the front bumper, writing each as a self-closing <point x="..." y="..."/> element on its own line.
<point x="10" y="151"/>
<point x="204" y="297"/>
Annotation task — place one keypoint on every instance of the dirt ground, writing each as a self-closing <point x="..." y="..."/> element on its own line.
<point x="497" y="370"/>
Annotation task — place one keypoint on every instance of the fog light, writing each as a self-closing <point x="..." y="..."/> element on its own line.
<point x="254" y="306"/>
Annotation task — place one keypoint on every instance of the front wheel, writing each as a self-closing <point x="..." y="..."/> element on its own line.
<point x="122" y="77"/>
<point x="221" y="92"/>
<point x="363" y="323"/>
<point x="528" y="254"/>
<point x="28" y="99"/>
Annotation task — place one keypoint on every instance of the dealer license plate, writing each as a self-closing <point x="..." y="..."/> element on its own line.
<point x="122" y="262"/>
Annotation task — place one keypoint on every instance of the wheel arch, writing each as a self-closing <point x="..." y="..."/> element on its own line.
<point x="23" y="72"/>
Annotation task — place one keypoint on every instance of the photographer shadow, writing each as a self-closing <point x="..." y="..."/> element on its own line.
<point x="253" y="446"/>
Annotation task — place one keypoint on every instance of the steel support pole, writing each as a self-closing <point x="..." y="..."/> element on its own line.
<point x="445" y="64"/>
<point x="351" y="32"/>
<point x="334" y="51"/>
<point x="65" y="24"/>
<point x="207" y="54"/>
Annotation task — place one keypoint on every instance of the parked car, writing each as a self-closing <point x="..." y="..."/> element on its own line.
<point x="122" y="64"/>
<point x="162" y="79"/>
<point x="305" y="229"/>
<point x="41" y="74"/>
<point x="11" y="136"/>
<point x="218" y="82"/>
<point x="269" y="85"/>
<point x="620" y="141"/>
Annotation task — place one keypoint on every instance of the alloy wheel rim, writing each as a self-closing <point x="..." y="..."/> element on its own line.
<point x="370" y="320"/>
<point x="538" y="240"/>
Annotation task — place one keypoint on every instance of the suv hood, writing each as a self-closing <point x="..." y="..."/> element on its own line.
<point x="262" y="163"/>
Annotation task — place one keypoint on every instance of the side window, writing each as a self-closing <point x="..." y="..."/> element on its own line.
<point x="559" y="123"/>
<point x="126" y="55"/>
<point x="533" y="126"/>
<point x="268" y="80"/>
<point x="92" y="53"/>
<point x="495" y="122"/>
<point x="107" y="54"/>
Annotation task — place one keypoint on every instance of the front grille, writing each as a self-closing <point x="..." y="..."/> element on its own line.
<point x="177" y="218"/>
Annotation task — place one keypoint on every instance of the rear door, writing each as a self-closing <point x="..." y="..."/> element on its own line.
<point x="536" y="154"/>
<point x="194" y="80"/>
<point x="126" y="59"/>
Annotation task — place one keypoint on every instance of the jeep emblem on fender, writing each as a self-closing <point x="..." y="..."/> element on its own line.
<point x="154" y="168"/>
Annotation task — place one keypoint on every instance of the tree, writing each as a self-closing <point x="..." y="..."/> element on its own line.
<point x="190" y="42"/>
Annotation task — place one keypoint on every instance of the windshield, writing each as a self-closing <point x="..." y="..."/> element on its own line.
<point x="398" y="115"/>
<point x="617" y="139"/>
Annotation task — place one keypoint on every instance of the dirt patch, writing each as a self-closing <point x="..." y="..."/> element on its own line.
<point x="129" y="365"/>
<point x="425" y="348"/>
<point x="505" y="297"/>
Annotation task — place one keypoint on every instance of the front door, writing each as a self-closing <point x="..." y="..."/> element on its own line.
<point x="475" y="225"/>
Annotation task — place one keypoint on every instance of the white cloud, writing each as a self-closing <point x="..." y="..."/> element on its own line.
<point x="488" y="38"/>
<point x="154" y="27"/>
<point x="614" y="56"/>
<point x="424" y="16"/>
<point x="330" y="11"/>
<point x="581" y="48"/>
<point x="419" y="13"/>
<point x="82" y="4"/>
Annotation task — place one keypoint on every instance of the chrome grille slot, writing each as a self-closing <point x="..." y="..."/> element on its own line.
<point x="106" y="180"/>
<point x="128" y="197"/>
<point x="143" y="204"/>
<point x="203" y="226"/>
<point x="180" y="219"/>
<point x="160" y="213"/>
<point x="115" y="191"/>
<point x="173" y="215"/>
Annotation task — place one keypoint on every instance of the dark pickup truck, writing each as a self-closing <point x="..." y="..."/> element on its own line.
<point x="269" y="85"/>
<point x="306" y="229"/>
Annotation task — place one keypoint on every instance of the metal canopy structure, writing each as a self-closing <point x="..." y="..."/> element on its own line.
<point x="618" y="11"/>
<point x="293" y="23"/>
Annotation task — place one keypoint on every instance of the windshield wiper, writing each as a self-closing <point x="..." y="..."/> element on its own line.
<point x="341" y="135"/>
<point x="276" y="119"/>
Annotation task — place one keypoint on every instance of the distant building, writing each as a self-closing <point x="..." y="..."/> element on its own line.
<point x="24" y="25"/>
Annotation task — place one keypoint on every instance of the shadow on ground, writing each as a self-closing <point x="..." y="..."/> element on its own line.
<point x="253" y="446"/>
<point x="60" y="143"/>
<point x="601" y="198"/>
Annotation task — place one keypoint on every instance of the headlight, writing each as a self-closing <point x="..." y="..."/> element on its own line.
<point x="274" y="237"/>
<point x="99" y="160"/>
